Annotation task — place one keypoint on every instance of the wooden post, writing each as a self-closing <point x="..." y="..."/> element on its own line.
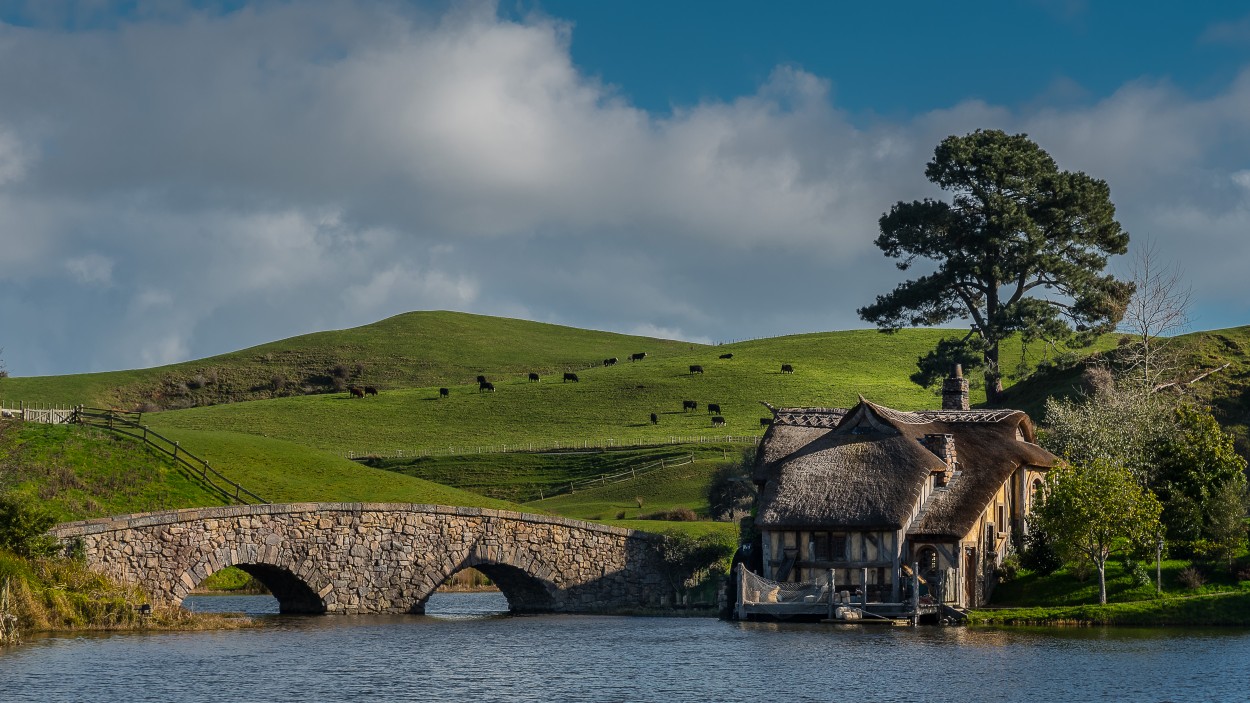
<point x="915" y="593"/>
<point x="863" y="601"/>
<point x="829" y="596"/>
<point x="1159" y="566"/>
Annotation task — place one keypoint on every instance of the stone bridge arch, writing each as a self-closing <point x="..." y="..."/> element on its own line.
<point x="377" y="557"/>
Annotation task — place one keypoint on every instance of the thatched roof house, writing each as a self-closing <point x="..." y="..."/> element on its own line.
<point x="867" y="489"/>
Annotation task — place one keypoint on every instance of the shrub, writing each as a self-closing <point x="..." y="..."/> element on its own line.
<point x="682" y="514"/>
<point x="1038" y="555"/>
<point x="1191" y="577"/>
<point x="1008" y="569"/>
<point x="23" y="526"/>
<point x="1136" y="572"/>
<point x="620" y="515"/>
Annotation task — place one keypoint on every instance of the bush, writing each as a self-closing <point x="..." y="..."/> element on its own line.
<point x="1136" y="573"/>
<point x="1038" y="555"/>
<point x="1191" y="577"/>
<point x="682" y="514"/>
<point x="1008" y="570"/>
<point x="23" y="527"/>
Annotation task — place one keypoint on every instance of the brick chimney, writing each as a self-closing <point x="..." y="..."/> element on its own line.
<point x="943" y="445"/>
<point x="955" y="391"/>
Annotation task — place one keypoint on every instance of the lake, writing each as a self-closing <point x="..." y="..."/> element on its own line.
<point x="464" y="648"/>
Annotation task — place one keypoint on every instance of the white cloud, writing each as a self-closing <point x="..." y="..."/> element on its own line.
<point x="346" y="161"/>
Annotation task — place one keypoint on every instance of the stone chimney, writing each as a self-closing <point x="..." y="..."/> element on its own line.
<point x="943" y="445"/>
<point x="955" y="391"/>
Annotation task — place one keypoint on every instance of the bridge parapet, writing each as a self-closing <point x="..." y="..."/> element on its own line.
<point x="377" y="557"/>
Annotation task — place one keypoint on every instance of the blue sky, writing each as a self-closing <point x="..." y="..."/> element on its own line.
<point x="179" y="179"/>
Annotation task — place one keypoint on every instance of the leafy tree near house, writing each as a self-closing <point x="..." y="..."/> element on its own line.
<point x="687" y="560"/>
<point x="1020" y="248"/>
<point x="1093" y="511"/>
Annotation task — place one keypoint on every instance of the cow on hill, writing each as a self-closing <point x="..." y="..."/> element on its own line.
<point x="695" y="368"/>
<point x="713" y="408"/>
<point x="689" y="405"/>
<point x="655" y="419"/>
<point x="533" y="377"/>
<point x="356" y="391"/>
<point x="728" y="355"/>
<point x="638" y="357"/>
<point x="610" y="362"/>
<point x="570" y="376"/>
<point x="444" y="392"/>
<point x="786" y="368"/>
<point x="765" y="421"/>
<point x="371" y="390"/>
<point x="481" y="379"/>
<point x="485" y="386"/>
<point x="718" y="421"/>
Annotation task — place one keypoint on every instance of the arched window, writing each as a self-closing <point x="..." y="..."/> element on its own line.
<point x="927" y="560"/>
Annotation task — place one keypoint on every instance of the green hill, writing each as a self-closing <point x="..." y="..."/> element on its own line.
<point x="411" y="350"/>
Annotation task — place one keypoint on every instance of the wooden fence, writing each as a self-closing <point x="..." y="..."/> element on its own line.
<point x="548" y="447"/>
<point x="605" y="479"/>
<point x="48" y="415"/>
<point x="128" y="424"/>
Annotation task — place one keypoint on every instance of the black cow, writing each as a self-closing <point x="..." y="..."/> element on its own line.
<point x="689" y="405"/>
<point x="655" y="419"/>
<point x="533" y="376"/>
<point x="713" y="408"/>
<point x="765" y="421"/>
<point x="727" y="356"/>
<point x="718" y="421"/>
<point x="485" y="386"/>
<point x="786" y="368"/>
<point x="370" y="390"/>
<point x="695" y="368"/>
<point x="444" y="392"/>
<point x="481" y="379"/>
<point x="610" y="362"/>
<point x="569" y="376"/>
<point x="356" y="392"/>
<point x="638" y="357"/>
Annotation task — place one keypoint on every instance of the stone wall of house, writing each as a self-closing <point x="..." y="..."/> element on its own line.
<point x="377" y="558"/>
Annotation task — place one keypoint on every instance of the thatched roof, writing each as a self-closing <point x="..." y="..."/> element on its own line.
<point x="868" y="470"/>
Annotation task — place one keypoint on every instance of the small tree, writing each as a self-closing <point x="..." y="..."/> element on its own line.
<point x="1201" y="479"/>
<point x="1225" y="529"/>
<point x="24" y="525"/>
<point x="1158" y="310"/>
<point x="688" y="560"/>
<point x="1095" y="510"/>
<point x="731" y="490"/>
<point x="1111" y="422"/>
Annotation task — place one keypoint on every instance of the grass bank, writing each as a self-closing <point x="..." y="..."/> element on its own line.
<point x="55" y="595"/>
<point x="1228" y="608"/>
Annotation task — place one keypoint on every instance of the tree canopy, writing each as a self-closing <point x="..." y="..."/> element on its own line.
<point x="1019" y="249"/>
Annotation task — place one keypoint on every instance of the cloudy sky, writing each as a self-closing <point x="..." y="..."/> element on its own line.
<point x="179" y="179"/>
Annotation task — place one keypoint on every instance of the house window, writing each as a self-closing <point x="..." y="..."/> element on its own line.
<point x="1002" y="518"/>
<point x="927" y="560"/>
<point x="827" y="546"/>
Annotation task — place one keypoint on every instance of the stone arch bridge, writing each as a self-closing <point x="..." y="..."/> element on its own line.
<point x="376" y="557"/>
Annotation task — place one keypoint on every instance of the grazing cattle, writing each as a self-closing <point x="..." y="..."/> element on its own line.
<point x="356" y="392"/>
<point x="533" y="377"/>
<point x="481" y="379"/>
<point x="655" y="419"/>
<point x="610" y="362"/>
<point x="718" y="421"/>
<point x="713" y="408"/>
<point x="370" y="390"/>
<point x="689" y="405"/>
<point x="727" y="356"/>
<point x="638" y="357"/>
<point x="786" y="368"/>
<point x="485" y="386"/>
<point x="695" y="368"/>
<point x="765" y="421"/>
<point x="444" y="392"/>
<point x="568" y="376"/>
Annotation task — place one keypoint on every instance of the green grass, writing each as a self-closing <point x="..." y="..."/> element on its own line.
<point x="282" y="472"/>
<point x="1063" y="588"/>
<point x="417" y="349"/>
<point x="1229" y="608"/>
<point x="615" y="403"/>
<point x="682" y="486"/>
<point x="79" y="472"/>
<point x="525" y="476"/>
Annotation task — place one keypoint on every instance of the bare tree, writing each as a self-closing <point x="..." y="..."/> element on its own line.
<point x="1157" y="312"/>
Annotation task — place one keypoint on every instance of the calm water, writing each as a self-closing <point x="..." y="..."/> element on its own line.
<point x="465" y="650"/>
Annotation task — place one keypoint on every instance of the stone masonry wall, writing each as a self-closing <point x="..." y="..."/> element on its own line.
<point x="376" y="558"/>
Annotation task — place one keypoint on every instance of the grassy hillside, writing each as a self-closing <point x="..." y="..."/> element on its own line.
<point x="682" y="486"/>
<point x="830" y="369"/>
<point x="411" y="350"/>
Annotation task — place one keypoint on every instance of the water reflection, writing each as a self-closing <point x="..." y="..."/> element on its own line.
<point x="465" y="648"/>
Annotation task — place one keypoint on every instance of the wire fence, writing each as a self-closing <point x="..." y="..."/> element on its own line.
<point x="563" y="446"/>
